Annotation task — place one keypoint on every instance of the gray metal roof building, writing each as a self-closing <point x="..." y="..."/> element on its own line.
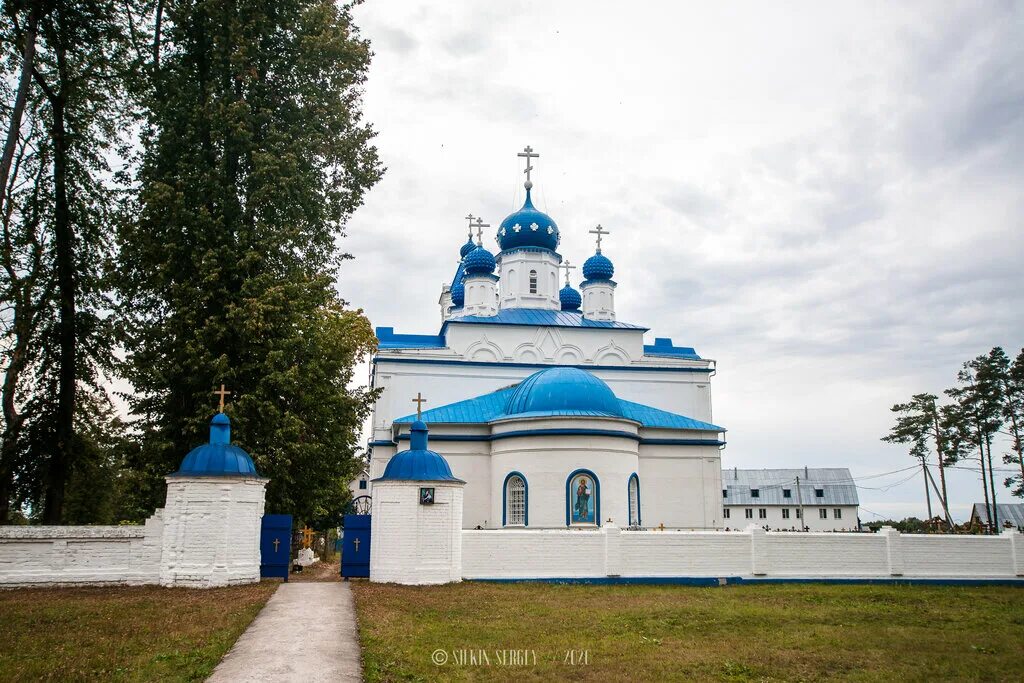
<point x="1005" y="512"/>
<point x="778" y="487"/>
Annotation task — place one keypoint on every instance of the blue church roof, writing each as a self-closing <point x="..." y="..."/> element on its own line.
<point x="569" y="298"/>
<point x="219" y="458"/>
<point x="598" y="267"/>
<point x="418" y="463"/>
<point x="538" y="316"/>
<point x="558" y="389"/>
<point x="558" y="392"/>
<point x="479" y="262"/>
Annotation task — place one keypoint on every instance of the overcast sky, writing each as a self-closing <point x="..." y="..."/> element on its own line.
<point x="825" y="198"/>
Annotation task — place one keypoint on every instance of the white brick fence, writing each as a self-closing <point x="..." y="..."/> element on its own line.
<point x="95" y="555"/>
<point x="611" y="552"/>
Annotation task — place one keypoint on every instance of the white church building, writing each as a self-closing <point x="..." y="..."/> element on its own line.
<point x="552" y="411"/>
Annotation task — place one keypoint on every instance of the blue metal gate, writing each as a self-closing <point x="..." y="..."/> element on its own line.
<point x="355" y="547"/>
<point x="275" y="546"/>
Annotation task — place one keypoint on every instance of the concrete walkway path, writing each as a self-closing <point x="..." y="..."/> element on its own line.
<point x="306" y="632"/>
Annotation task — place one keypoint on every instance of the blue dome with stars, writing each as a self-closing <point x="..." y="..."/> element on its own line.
<point x="528" y="227"/>
<point x="598" y="267"/>
<point x="419" y="463"/>
<point x="219" y="457"/>
<point x="467" y="247"/>
<point x="570" y="298"/>
<point x="458" y="295"/>
<point x="479" y="262"/>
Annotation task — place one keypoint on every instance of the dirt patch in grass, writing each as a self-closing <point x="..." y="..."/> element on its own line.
<point x="124" y="633"/>
<point x="801" y="632"/>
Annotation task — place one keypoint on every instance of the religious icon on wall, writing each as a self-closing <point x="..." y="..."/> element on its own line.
<point x="426" y="496"/>
<point x="581" y="499"/>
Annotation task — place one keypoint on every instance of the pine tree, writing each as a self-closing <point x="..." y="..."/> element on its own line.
<point x="919" y="422"/>
<point x="1009" y="380"/>
<point x="254" y="157"/>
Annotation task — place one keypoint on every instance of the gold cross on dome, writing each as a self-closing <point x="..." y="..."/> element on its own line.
<point x="222" y="393"/>
<point x="419" y="401"/>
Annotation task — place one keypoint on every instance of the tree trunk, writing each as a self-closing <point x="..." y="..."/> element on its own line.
<point x="940" y="447"/>
<point x="14" y="129"/>
<point x="992" y="484"/>
<point x="64" y="248"/>
<point x="984" y="480"/>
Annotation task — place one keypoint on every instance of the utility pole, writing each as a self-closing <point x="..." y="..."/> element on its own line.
<point x="800" y="502"/>
<point x="927" y="493"/>
<point x="938" y="494"/>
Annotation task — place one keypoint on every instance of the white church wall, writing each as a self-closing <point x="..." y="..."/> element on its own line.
<point x="93" y="555"/>
<point x="753" y="553"/>
<point x="471" y="462"/>
<point x="514" y="269"/>
<point x="547" y="461"/>
<point x="677" y="484"/>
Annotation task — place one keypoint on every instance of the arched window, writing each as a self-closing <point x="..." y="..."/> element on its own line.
<point x="582" y="499"/>
<point x="533" y="282"/>
<point x="515" y="499"/>
<point x="634" y="500"/>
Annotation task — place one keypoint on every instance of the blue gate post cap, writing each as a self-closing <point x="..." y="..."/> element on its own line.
<point x="218" y="458"/>
<point x="419" y="463"/>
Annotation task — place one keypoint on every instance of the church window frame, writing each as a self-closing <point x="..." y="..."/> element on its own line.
<point x="633" y="500"/>
<point x="785" y="513"/>
<point x="748" y="513"/>
<point x="726" y="513"/>
<point x="533" y="282"/>
<point x="509" y="501"/>
<point x="568" y="499"/>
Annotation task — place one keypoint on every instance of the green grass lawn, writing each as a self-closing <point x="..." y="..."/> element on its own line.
<point x="122" y="634"/>
<point x="652" y="633"/>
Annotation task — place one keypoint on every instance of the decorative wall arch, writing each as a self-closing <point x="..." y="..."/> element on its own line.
<point x="527" y="353"/>
<point x="569" y="355"/>
<point x="572" y="482"/>
<point x="484" y="350"/>
<point x="504" y="498"/>
<point x="613" y="353"/>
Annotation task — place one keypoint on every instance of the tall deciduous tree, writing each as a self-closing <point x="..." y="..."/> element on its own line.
<point x="74" y="114"/>
<point x="254" y="157"/>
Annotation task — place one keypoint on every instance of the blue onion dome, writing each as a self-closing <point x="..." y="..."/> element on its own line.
<point x="528" y="227"/>
<point x="458" y="294"/>
<point x="219" y="458"/>
<point x="598" y="267"/>
<point x="419" y="463"/>
<point x="562" y="389"/>
<point x="479" y="262"/>
<point x="570" y="298"/>
<point x="469" y="246"/>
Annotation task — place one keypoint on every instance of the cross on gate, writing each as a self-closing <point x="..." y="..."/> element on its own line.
<point x="419" y="401"/>
<point x="355" y="542"/>
<point x="600" y="232"/>
<point x="277" y="542"/>
<point x="222" y="393"/>
<point x="528" y="154"/>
